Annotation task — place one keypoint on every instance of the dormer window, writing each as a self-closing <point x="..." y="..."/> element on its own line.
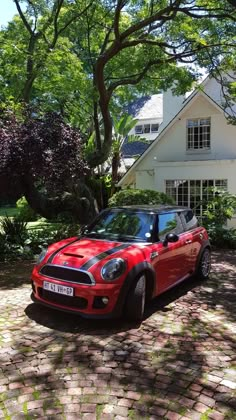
<point x="199" y="134"/>
<point x="138" y="129"/>
<point x="146" y="128"/>
<point x="154" y="128"/>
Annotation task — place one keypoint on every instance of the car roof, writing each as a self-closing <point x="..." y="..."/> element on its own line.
<point x="158" y="208"/>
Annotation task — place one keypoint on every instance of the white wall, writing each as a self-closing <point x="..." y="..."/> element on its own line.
<point x="172" y="144"/>
<point x="171" y="106"/>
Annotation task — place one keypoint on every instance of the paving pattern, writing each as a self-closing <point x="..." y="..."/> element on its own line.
<point x="178" y="364"/>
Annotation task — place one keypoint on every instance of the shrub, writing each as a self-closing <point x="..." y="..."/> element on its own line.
<point x="14" y="230"/>
<point x="135" y="196"/>
<point x="219" y="209"/>
<point x="221" y="237"/>
<point x="16" y="241"/>
<point x="25" y="212"/>
<point x="39" y="238"/>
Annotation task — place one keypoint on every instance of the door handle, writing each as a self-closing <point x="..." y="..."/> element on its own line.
<point x="188" y="241"/>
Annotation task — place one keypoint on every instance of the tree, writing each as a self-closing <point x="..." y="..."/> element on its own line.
<point x="43" y="157"/>
<point x="121" y="129"/>
<point x="154" y="38"/>
<point x="117" y="48"/>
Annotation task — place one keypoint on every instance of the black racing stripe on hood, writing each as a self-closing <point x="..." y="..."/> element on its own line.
<point x="103" y="255"/>
<point x="60" y="249"/>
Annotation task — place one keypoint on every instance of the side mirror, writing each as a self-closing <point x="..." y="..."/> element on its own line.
<point x="170" y="237"/>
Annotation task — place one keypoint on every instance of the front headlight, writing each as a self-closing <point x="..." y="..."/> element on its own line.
<point x="113" y="269"/>
<point x="41" y="256"/>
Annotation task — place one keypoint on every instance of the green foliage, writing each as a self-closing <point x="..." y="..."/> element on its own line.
<point x="25" y="213"/>
<point x="222" y="237"/>
<point x="14" y="230"/>
<point x="16" y="241"/>
<point x="221" y="208"/>
<point x="122" y="127"/>
<point x="44" y="235"/>
<point x="135" y="196"/>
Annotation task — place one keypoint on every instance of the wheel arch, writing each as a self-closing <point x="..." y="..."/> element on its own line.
<point x="205" y="245"/>
<point x="143" y="268"/>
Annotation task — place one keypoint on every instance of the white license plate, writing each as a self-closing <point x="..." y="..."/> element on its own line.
<point x="57" y="288"/>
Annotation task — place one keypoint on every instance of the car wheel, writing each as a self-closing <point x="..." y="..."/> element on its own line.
<point x="135" y="301"/>
<point x="204" y="265"/>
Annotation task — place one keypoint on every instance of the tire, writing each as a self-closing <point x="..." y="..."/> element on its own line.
<point x="204" y="265"/>
<point x="135" y="301"/>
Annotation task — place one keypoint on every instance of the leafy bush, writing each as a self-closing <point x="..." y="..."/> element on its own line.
<point x="14" y="230"/>
<point x="39" y="238"/>
<point x="26" y="213"/>
<point x="221" y="237"/>
<point x="219" y="209"/>
<point x="135" y="196"/>
<point x="18" y="242"/>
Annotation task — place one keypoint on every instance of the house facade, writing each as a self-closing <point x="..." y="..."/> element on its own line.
<point x="195" y="150"/>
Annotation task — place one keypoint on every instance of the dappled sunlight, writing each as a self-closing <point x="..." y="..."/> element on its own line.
<point x="179" y="360"/>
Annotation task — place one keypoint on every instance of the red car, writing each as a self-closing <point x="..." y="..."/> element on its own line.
<point x="127" y="256"/>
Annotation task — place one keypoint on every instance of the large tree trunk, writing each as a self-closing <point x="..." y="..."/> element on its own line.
<point x="82" y="209"/>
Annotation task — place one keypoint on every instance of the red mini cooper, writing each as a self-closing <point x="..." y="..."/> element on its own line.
<point x="127" y="256"/>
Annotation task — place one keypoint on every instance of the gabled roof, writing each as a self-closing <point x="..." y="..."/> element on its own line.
<point x="147" y="107"/>
<point x="134" y="148"/>
<point x="195" y="94"/>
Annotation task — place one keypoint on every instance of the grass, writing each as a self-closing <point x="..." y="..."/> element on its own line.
<point x="8" y="211"/>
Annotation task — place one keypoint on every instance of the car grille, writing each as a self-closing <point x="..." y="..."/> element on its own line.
<point x="71" y="301"/>
<point x="68" y="274"/>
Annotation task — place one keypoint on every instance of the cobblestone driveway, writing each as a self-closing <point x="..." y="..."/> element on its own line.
<point x="179" y="364"/>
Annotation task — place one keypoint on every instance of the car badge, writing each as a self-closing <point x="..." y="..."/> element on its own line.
<point x="65" y="263"/>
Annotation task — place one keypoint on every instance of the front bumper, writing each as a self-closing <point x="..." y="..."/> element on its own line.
<point x="87" y="300"/>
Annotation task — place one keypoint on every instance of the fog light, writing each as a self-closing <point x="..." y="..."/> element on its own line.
<point x="100" y="302"/>
<point x="105" y="300"/>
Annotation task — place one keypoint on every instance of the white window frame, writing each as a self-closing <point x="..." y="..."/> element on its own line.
<point x="147" y="128"/>
<point x="200" y="140"/>
<point x="192" y="193"/>
<point x="153" y="130"/>
<point x="138" y="129"/>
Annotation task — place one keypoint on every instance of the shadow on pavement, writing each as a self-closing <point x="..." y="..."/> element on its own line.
<point x="66" y="322"/>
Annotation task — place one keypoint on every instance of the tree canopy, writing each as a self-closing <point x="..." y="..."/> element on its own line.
<point x="85" y="59"/>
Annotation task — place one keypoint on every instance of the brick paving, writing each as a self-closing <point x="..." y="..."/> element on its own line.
<point x="178" y="364"/>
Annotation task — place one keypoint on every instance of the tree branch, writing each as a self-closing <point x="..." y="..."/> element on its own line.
<point x="23" y="18"/>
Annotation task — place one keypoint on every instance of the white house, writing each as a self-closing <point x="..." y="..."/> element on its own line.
<point x="148" y="111"/>
<point x="195" y="149"/>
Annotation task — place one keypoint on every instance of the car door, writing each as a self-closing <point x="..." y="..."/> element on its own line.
<point x="172" y="263"/>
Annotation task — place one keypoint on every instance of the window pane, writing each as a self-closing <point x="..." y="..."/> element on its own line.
<point x="138" y="129"/>
<point x="147" y="128"/>
<point x="194" y="193"/>
<point x="198" y="134"/>
<point x="154" y="127"/>
<point x="167" y="223"/>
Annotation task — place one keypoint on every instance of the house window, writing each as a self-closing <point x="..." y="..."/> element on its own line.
<point x="138" y="129"/>
<point x="199" y="134"/>
<point x="154" y="128"/>
<point x="147" y="128"/>
<point x="194" y="193"/>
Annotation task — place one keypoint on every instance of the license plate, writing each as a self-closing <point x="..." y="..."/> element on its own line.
<point x="57" y="288"/>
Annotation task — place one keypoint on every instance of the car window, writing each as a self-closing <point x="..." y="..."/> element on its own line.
<point x="190" y="219"/>
<point x="123" y="225"/>
<point x="169" y="223"/>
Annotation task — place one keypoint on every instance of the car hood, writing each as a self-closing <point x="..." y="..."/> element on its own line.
<point x="84" y="253"/>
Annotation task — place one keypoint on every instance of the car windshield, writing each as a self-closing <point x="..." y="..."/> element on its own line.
<point x="124" y="226"/>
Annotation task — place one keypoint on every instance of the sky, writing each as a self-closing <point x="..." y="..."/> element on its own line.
<point x="7" y="11"/>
